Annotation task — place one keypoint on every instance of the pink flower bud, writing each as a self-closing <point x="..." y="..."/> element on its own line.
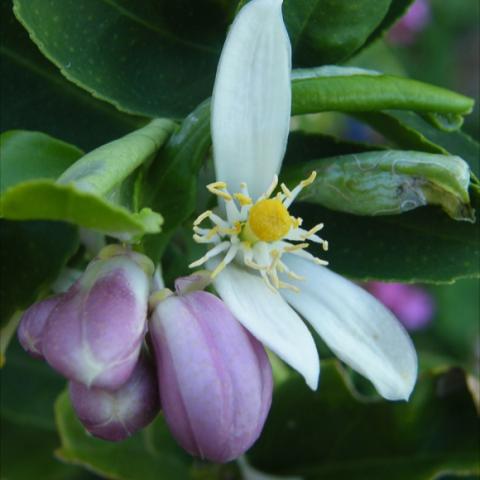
<point x="116" y="415"/>
<point x="215" y="378"/>
<point x="412" y="305"/>
<point x="33" y="322"/>
<point x="94" y="334"/>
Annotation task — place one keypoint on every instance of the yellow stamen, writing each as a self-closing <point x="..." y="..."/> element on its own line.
<point x="202" y="217"/>
<point x="213" y="231"/>
<point x="217" y="189"/>
<point x="308" y="181"/>
<point x="312" y="231"/>
<point x="294" y="248"/>
<point x="285" y="190"/>
<point x="243" y="199"/>
<point x="219" y="268"/>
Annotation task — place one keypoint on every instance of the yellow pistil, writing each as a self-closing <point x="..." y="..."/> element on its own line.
<point x="269" y="220"/>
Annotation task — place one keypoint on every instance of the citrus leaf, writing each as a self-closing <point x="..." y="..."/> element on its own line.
<point x="87" y="192"/>
<point x="423" y="246"/>
<point x="330" y="434"/>
<point x="131" y="459"/>
<point x="387" y="183"/>
<point x="49" y="102"/>
<point x="32" y="255"/>
<point x="350" y="89"/>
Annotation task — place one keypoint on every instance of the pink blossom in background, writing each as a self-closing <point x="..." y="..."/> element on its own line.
<point x="405" y="31"/>
<point x="413" y="305"/>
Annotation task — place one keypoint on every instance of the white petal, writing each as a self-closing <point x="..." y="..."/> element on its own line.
<point x="358" y="328"/>
<point x="252" y="98"/>
<point x="269" y="318"/>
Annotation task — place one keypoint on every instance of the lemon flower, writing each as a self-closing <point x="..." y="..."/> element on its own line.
<point x="258" y="257"/>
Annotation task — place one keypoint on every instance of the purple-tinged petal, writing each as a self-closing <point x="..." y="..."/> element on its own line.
<point x="95" y="333"/>
<point x="115" y="415"/>
<point x="215" y="379"/>
<point x="32" y="324"/>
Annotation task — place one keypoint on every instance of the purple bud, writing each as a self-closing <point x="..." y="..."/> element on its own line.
<point x="215" y="378"/>
<point x="95" y="333"/>
<point x="414" y="21"/>
<point x="33" y="322"/>
<point x="115" y="415"/>
<point x="412" y="305"/>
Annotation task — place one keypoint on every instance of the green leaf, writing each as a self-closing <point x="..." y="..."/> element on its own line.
<point x="170" y="183"/>
<point x="349" y="89"/>
<point x="7" y="332"/>
<point x="397" y="9"/>
<point x="139" y="56"/>
<point x="20" y="441"/>
<point x="162" y="47"/>
<point x="105" y="167"/>
<point x="409" y="131"/>
<point x="131" y="459"/>
<point x="35" y="95"/>
<point x="32" y="155"/>
<point x="86" y="193"/>
<point x="330" y="434"/>
<point x="423" y="246"/>
<point x="29" y="390"/>
<point x="309" y="146"/>
<point x="43" y="199"/>
<point x="387" y="183"/>
<point x="32" y="255"/>
<point x="329" y="31"/>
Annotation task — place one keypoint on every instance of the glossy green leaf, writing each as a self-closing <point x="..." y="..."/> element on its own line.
<point x="131" y="459"/>
<point x="170" y="183"/>
<point x="410" y="131"/>
<point x="330" y="434"/>
<point x="387" y="183"/>
<point x="28" y="453"/>
<point x="31" y="257"/>
<point x="303" y="146"/>
<point x="86" y="193"/>
<point x="105" y="167"/>
<point x="29" y="390"/>
<point x="348" y="89"/>
<point x="144" y="57"/>
<point x="35" y="95"/>
<point x="397" y="9"/>
<point x="7" y="332"/>
<point x="419" y="246"/>
<point x="43" y="199"/>
<point x="329" y="31"/>
<point x="32" y="155"/>
<point x="164" y="45"/>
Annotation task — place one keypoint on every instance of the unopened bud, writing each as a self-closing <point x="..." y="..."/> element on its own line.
<point x="215" y="378"/>
<point x="32" y="324"/>
<point x="95" y="333"/>
<point x="116" y="415"/>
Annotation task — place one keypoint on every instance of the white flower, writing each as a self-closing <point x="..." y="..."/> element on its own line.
<point x="262" y="274"/>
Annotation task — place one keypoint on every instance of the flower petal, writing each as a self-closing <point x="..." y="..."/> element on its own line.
<point x="252" y="98"/>
<point x="269" y="318"/>
<point x="358" y="328"/>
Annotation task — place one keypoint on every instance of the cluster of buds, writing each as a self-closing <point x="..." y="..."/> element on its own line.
<point x="126" y="356"/>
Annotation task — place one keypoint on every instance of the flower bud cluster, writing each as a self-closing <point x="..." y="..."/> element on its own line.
<point x="211" y="377"/>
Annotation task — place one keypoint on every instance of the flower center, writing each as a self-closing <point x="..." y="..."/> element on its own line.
<point x="257" y="234"/>
<point x="268" y="220"/>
